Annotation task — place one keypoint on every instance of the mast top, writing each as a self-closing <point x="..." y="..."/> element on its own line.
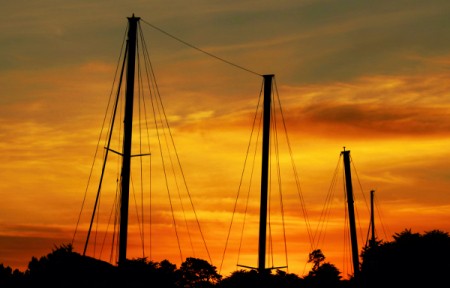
<point x="134" y="18"/>
<point x="345" y="151"/>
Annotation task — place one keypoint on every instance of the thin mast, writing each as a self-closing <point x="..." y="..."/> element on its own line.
<point x="372" y="217"/>
<point x="128" y="129"/>
<point x="351" y="211"/>
<point x="264" y="173"/>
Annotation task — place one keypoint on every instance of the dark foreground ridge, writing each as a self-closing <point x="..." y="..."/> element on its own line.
<point x="410" y="260"/>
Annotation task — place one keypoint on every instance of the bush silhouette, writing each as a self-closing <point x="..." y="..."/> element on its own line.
<point x="412" y="260"/>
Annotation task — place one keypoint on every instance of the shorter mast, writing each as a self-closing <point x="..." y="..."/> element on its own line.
<point x="351" y="211"/>
<point x="372" y="218"/>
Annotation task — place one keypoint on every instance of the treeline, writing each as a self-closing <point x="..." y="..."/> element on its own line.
<point x="410" y="260"/>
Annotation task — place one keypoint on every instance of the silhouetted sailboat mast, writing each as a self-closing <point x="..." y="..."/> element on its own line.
<point x="128" y="131"/>
<point x="351" y="211"/>
<point x="264" y="173"/>
<point x="262" y="240"/>
<point x="372" y="218"/>
<point x="129" y="61"/>
<point x="129" y="66"/>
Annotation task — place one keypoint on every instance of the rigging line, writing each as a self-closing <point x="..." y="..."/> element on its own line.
<point x="239" y="189"/>
<point x="201" y="50"/>
<point x="184" y="181"/>
<point x="137" y="213"/>
<point x="275" y="147"/>
<point x="277" y="152"/>
<point x="98" y="141"/>
<point x="325" y="216"/>
<point x="151" y="93"/>
<point x="141" y="96"/>
<point x="297" y="181"/>
<point x="277" y="163"/>
<point x="269" y="247"/>
<point x="359" y="221"/>
<point x="171" y="161"/>
<point x="269" y="213"/>
<point x="166" y="179"/>
<point x="137" y="209"/>
<point x="150" y="177"/>
<point x="365" y="200"/>
<point x="113" y="117"/>
<point x="164" y="165"/>
<point x="173" y="144"/>
<point x="325" y="210"/>
<point x="379" y="212"/>
<point x="115" y="239"/>
<point x="252" y="172"/>
<point x="245" y="210"/>
<point x="165" y="170"/>
<point x="319" y="234"/>
<point x="165" y="174"/>
<point x="294" y="168"/>
<point x="142" y="100"/>
<point x="181" y="170"/>
<point x="109" y="134"/>
<point x="179" y="194"/>
<point x="242" y="177"/>
<point x="96" y="225"/>
<point x="359" y="182"/>
<point x="109" y="219"/>
<point x="176" y="181"/>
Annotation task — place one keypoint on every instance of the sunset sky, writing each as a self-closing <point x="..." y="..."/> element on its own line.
<point x="372" y="76"/>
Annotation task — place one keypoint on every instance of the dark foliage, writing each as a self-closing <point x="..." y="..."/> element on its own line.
<point x="411" y="260"/>
<point x="65" y="268"/>
<point x="10" y="277"/>
<point x="198" y="273"/>
<point x="242" y="278"/>
<point x="322" y="274"/>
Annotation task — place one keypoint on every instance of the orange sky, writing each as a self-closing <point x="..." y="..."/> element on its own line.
<point x="372" y="77"/>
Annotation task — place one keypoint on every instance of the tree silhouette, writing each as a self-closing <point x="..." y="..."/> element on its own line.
<point x="65" y="268"/>
<point x="241" y="279"/>
<point x="11" y="278"/>
<point x="316" y="257"/>
<point x="322" y="274"/>
<point x="198" y="273"/>
<point x="252" y="278"/>
<point x="412" y="259"/>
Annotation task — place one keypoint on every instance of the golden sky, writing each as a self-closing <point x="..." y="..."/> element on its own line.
<point x="371" y="76"/>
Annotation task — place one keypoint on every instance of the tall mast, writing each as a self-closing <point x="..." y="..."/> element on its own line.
<point x="128" y="129"/>
<point x="351" y="211"/>
<point x="264" y="173"/>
